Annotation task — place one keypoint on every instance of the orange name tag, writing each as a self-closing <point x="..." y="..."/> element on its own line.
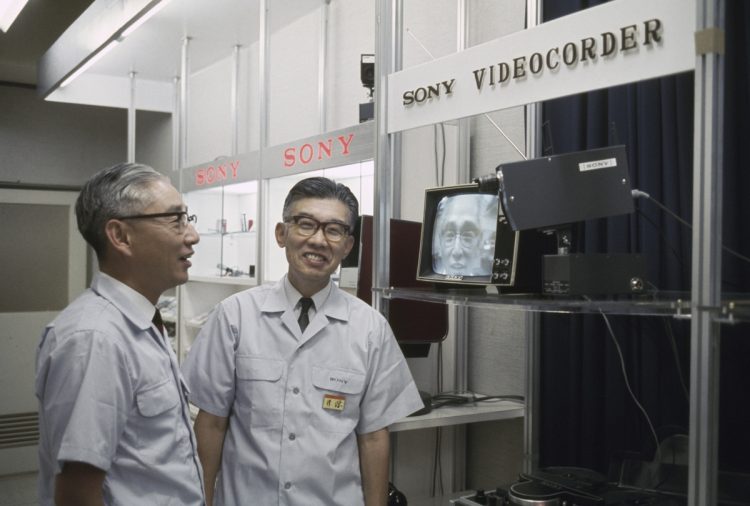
<point x="334" y="402"/>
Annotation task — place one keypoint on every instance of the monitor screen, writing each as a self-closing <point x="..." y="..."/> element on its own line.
<point x="467" y="241"/>
<point x="463" y="237"/>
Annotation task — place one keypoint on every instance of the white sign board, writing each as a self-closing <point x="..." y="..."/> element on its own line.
<point x="614" y="43"/>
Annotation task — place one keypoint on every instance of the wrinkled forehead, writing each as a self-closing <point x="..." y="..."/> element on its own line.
<point x="461" y="208"/>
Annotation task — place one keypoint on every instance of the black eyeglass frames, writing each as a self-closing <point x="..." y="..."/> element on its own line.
<point x="182" y="218"/>
<point x="306" y="226"/>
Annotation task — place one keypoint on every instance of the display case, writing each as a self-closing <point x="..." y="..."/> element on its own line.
<point x="226" y="222"/>
<point x="223" y="194"/>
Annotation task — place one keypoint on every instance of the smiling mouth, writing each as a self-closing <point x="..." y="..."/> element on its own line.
<point x="314" y="257"/>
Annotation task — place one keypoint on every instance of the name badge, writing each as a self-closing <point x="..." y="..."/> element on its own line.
<point x="334" y="402"/>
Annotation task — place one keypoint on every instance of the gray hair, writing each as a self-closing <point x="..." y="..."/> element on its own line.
<point x="322" y="188"/>
<point x="120" y="190"/>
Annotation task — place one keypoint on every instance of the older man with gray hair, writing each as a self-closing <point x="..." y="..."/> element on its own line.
<point x="113" y="414"/>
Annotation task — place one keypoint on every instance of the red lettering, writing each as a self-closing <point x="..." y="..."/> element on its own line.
<point x="289" y="157"/>
<point x="304" y="158"/>
<point x="221" y="172"/>
<point x="345" y="143"/>
<point x="324" y="146"/>
<point x="306" y="152"/>
<point x="234" y="166"/>
<point x="200" y="177"/>
<point x="210" y="175"/>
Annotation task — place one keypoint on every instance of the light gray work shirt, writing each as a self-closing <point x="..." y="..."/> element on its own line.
<point x="296" y="401"/>
<point x="111" y="395"/>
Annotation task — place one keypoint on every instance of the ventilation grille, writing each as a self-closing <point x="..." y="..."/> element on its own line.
<point x="19" y="429"/>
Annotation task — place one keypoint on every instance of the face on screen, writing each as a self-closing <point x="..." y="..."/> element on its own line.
<point x="464" y="235"/>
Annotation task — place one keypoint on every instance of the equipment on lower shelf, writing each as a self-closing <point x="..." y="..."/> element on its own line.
<point x="554" y="486"/>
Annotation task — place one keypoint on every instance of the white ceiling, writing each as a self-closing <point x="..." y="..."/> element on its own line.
<point x="153" y="51"/>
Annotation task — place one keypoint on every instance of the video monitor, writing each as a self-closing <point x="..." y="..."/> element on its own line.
<point x="466" y="240"/>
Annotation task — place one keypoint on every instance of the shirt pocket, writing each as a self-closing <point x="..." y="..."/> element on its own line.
<point x="155" y="431"/>
<point x="260" y="393"/>
<point x="157" y="399"/>
<point x="332" y="386"/>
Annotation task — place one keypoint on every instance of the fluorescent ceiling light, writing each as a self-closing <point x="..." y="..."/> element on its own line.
<point x="88" y="63"/>
<point x="9" y="10"/>
<point x="145" y="17"/>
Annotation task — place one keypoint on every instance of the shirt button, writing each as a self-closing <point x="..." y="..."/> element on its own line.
<point x="292" y="436"/>
<point x="295" y="390"/>
<point x="287" y="485"/>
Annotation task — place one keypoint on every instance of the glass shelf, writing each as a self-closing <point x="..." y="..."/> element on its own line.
<point x="484" y="411"/>
<point x="225" y="280"/>
<point x="734" y="308"/>
<point x="211" y="233"/>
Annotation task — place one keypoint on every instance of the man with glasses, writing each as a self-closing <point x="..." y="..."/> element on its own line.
<point x="298" y="381"/>
<point x="113" y="413"/>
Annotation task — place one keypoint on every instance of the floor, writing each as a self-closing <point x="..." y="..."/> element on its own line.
<point x="18" y="490"/>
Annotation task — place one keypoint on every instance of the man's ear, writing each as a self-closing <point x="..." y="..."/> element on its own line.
<point x="118" y="236"/>
<point x="349" y="246"/>
<point x="280" y="232"/>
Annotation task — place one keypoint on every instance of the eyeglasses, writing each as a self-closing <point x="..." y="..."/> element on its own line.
<point x="468" y="238"/>
<point x="308" y="227"/>
<point x="181" y="218"/>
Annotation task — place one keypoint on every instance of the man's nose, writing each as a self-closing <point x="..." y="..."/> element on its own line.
<point x="191" y="235"/>
<point x="319" y="236"/>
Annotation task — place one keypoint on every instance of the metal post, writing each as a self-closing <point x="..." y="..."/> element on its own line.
<point x="234" y="99"/>
<point x="131" y="119"/>
<point x="176" y="114"/>
<point x="184" y="74"/>
<point x="384" y="64"/>
<point x="322" y="59"/>
<point x="396" y="144"/>
<point x="706" y="270"/>
<point x="263" y="57"/>
<point x="533" y="325"/>
<point x="459" y="315"/>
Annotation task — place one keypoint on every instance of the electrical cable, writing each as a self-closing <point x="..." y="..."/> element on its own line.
<point x="676" y="356"/>
<point x="657" y="453"/>
<point x="641" y="194"/>
<point x="664" y="238"/>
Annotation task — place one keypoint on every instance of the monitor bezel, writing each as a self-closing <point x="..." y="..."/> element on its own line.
<point x="425" y="269"/>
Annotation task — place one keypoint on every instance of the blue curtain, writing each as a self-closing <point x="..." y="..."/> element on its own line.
<point x="588" y="418"/>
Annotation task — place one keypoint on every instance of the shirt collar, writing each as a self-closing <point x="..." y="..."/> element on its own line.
<point x="132" y="304"/>
<point x="293" y="296"/>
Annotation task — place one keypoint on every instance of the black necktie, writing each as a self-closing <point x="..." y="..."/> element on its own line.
<point x="158" y="322"/>
<point x="305" y="303"/>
